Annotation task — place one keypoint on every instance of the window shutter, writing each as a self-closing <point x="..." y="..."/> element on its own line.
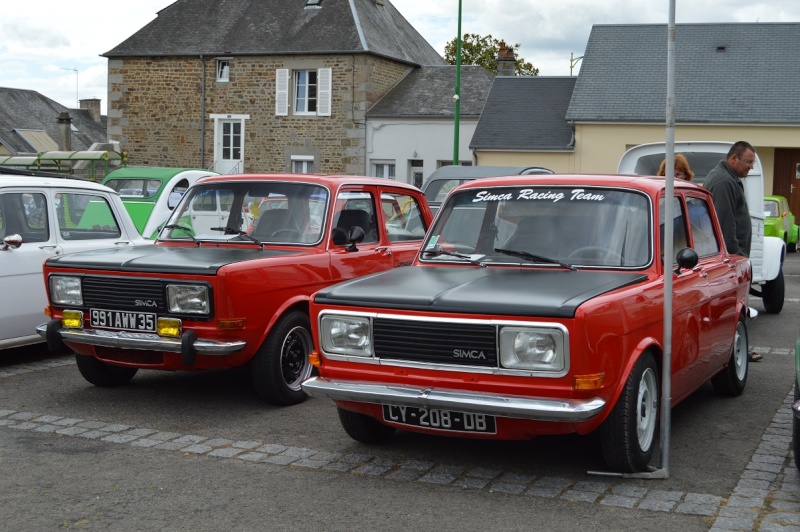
<point x="324" y="76"/>
<point x="282" y="92"/>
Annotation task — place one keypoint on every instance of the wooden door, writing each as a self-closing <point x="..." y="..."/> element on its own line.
<point x="786" y="176"/>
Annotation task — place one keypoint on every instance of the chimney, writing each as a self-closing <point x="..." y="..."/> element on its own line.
<point x="506" y="61"/>
<point x="93" y="106"/>
<point x="64" y="132"/>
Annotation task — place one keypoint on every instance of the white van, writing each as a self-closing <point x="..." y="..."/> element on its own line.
<point x="766" y="252"/>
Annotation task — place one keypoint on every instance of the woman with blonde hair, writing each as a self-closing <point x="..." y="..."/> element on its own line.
<point x="682" y="170"/>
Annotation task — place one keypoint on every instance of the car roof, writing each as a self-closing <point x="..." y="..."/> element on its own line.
<point x="477" y="172"/>
<point x="332" y="181"/>
<point x="152" y="172"/>
<point x="650" y="184"/>
<point x="7" y="180"/>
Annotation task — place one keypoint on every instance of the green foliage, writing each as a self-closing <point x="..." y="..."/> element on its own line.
<point x="482" y="50"/>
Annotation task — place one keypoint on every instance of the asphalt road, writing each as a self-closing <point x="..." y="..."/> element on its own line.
<point x="198" y="451"/>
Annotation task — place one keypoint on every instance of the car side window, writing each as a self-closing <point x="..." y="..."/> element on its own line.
<point x="679" y="232"/>
<point x="85" y="217"/>
<point x="354" y="208"/>
<point x="704" y="239"/>
<point x="24" y="214"/>
<point x="402" y="217"/>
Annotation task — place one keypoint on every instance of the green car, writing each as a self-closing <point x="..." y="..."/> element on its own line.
<point x="779" y="221"/>
<point x="151" y="193"/>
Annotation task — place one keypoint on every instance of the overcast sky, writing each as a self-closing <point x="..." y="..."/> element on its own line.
<point x="44" y="42"/>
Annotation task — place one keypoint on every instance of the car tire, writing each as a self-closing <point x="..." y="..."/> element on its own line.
<point x="364" y="428"/>
<point x="772" y="294"/>
<point x="281" y="364"/>
<point x="732" y="380"/>
<point x="791" y="247"/>
<point x="628" y="436"/>
<point x="102" y="374"/>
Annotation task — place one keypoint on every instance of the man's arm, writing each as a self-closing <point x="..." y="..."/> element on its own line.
<point x="725" y="205"/>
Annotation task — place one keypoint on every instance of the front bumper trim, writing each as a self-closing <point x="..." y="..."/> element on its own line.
<point x="533" y="408"/>
<point x="143" y="341"/>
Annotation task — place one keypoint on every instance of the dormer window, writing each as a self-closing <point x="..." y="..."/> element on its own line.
<point x="223" y="70"/>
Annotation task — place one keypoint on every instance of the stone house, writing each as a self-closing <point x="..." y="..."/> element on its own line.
<point x="256" y="86"/>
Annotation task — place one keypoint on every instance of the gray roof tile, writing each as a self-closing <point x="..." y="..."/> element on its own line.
<point x="428" y="92"/>
<point x="27" y="109"/>
<point x="729" y="73"/>
<point x="526" y="113"/>
<point x="279" y="27"/>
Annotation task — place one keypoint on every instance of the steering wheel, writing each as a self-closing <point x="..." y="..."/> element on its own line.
<point x="288" y="233"/>
<point x="599" y="252"/>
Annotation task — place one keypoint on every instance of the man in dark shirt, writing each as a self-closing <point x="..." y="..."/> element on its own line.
<point x="724" y="182"/>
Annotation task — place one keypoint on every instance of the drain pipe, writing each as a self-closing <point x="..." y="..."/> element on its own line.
<point x="203" y="115"/>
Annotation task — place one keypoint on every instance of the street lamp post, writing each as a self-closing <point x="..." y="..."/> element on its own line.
<point x="77" y="98"/>
<point x="457" y="94"/>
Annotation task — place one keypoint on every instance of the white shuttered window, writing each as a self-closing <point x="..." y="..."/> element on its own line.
<point x="305" y="92"/>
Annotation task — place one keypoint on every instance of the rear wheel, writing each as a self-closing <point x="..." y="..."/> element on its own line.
<point x="628" y="435"/>
<point x="772" y="294"/>
<point x="102" y="374"/>
<point x="796" y="429"/>
<point x="281" y="365"/>
<point x="732" y="380"/>
<point x="364" y="428"/>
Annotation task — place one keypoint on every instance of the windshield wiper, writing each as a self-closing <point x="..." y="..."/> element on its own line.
<point x="187" y="230"/>
<point x="535" y="258"/>
<point x="437" y="250"/>
<point x="242" y="234"/>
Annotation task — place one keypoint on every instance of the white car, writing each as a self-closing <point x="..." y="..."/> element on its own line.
<point x="41" y="217"/>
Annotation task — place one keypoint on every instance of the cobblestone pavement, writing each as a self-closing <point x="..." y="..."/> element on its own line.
<point x="766" y="498"/>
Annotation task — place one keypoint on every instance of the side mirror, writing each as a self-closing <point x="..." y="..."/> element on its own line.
<point x="687" y="259"/>
<point x="173" y="199"/>
<point x="11" y="241"/>
<point x="355" y="236"/>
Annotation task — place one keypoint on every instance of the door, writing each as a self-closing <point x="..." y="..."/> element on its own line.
<point x="229" y="146"/>
<point x="786" y="176"/>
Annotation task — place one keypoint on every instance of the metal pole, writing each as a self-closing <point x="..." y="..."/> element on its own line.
<point x="457" y="95"/>
<point x="77" y="98"/>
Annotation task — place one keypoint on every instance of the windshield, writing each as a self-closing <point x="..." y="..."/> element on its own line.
<point x="556" y="226"/>
<point x="266" y="212"/>
<point x="135" y="187"/>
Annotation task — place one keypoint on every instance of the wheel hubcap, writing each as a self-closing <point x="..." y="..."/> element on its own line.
<point x="294" y="357"/>
<point x="647" y="409"/>
<point x="740" y="352"/>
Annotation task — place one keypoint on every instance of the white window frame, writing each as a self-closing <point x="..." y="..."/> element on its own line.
<point x="223" y="69"/>
<point x="384" y="169"/>
<point x="306" y="163"/>
<point x="286" y="81"/>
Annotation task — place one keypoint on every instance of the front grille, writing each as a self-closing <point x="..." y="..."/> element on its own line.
<point x="465" y="344"/>
<point x="121" y="293"/>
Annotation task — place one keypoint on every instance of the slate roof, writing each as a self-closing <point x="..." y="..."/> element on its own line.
<point x="526" y="113"/>
<point x="279" y="27"/>
<point x="724" y="73"/>
<point x="27" y="109"/>
<point x="428" y="92"/>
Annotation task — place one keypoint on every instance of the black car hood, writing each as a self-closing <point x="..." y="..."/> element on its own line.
<point x="200" y="260"/>
<point x="506" y="291"/>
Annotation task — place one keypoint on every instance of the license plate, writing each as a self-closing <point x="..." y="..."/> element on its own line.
<point x="120" y="319"/>
<point x="440" y="419"/>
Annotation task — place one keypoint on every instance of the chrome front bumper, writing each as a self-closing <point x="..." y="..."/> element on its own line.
<point x="533" y="408"/>
<point x="144" y="341"/>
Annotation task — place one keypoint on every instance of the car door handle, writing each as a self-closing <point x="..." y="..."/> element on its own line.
<point x="386" y="249"/>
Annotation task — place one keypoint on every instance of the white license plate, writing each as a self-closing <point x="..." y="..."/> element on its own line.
<point x="123" y="320"/>
<point x="440" y="419"/>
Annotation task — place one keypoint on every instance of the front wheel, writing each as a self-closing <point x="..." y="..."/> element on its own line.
<point x="796" y="429"/>
<point x="772" y="294"/>
<point x="628" y="435"/>
<point x="281" y="365"/>
<point x="364" y="428"/>
<point x="732" y="380"/>
<point x="102" y="374"/>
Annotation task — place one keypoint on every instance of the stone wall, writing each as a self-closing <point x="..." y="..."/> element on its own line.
<point x="156" y="110"/>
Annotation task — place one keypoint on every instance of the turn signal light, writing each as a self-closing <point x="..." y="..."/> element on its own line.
<point x="314" y="359"/>
<point x="231" y="324"/>
<point x="589" y="382"/>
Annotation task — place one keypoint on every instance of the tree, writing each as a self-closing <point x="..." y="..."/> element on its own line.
<point x="480" y="50"/>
